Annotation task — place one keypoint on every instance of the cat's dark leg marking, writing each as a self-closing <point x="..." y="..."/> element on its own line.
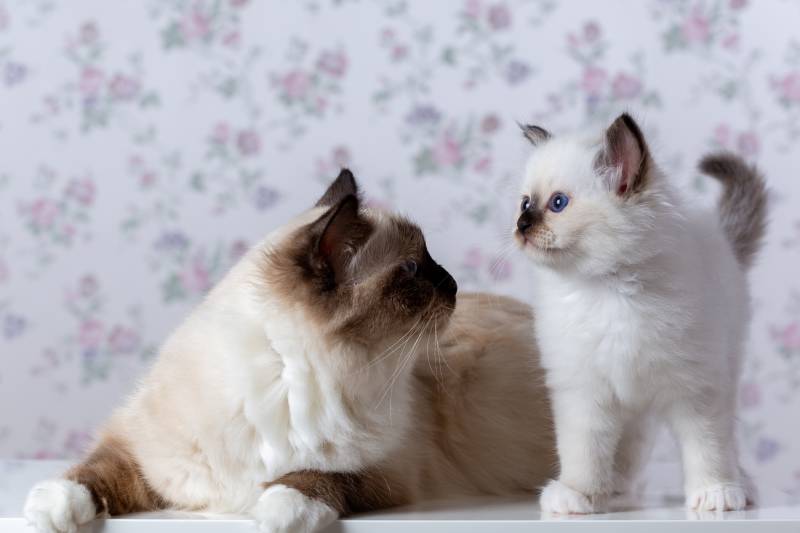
<point x="346" y="493"/>
<point x="114" y="479"/>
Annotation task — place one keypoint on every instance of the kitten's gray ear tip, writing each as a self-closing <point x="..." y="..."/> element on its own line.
<point x="535" y="134"/>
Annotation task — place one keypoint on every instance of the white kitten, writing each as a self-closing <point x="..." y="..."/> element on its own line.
<point x="642" y="310"/>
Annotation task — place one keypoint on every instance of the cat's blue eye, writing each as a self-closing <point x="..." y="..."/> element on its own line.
<point x="410" y="267"/>
<point x="557" y="202"/>
<point x="526" y="204"/>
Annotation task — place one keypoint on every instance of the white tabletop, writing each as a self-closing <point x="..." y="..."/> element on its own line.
<point x="777" y="513"/>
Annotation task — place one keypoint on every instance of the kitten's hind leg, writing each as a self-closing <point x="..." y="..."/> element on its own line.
<point x="108" y="481"/>
<point x="308" y="500"/>
<point x="712" y="476"/>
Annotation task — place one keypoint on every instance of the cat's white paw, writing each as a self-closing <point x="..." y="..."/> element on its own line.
<point x="282" y="509"/>
<point x="722" y="497"/>
<point x="59" y="506"/>
<point x="557" y="498"/>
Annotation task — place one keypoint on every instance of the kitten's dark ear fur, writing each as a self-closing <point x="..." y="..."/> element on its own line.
<point x="343" y="185"/>
<point x="625" y="150"/>
<point x="535" y="134"/>
<point x="336" y="236"/>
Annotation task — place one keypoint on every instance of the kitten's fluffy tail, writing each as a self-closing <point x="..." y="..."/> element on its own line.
<point x="742" y="207"/>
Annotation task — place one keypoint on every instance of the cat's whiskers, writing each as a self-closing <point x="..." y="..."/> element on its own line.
<point x="391" y="350"/>
<point x="403" y="362"/>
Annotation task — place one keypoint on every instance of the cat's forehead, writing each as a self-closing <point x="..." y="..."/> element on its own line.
<point x="560" y="163"/>
<point x="393" y="236"/>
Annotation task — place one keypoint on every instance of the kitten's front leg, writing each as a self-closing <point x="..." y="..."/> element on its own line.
<point x="307" y="501"/>
<point x="587" y="433"/>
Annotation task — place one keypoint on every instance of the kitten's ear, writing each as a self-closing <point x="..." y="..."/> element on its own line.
<point x="343" y="185"/>
<point x="337" y="235"/>
<point x="624" y="159"/>
<point x="535" y="134"/>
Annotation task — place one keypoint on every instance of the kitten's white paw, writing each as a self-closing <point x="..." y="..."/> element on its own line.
<point x="722" y="497"/>
<point x="59" y="506"/>
<point x="282" y="509"/>
<point x="559" y="499"/>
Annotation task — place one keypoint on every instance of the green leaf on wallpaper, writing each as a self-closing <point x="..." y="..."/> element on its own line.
<point x="673" y="39"/>
<point x="729" y="89"/>
<point x="229" y="87"/>
<point x="150" y="99"/>
<point x="172" y="289"/>
<point x="171" y="36"/>
<point x="423" y="162"/>
<point x="479" y="213"/>
<point x="197" y="182"/>
<point x="449" y="56"/>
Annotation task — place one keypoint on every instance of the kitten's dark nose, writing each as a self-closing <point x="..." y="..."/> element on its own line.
<point x="527" y="219"/>
<point x="523" y="225"/>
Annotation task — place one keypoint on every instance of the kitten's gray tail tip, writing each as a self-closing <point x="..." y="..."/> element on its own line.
<point x="743" y="204"/>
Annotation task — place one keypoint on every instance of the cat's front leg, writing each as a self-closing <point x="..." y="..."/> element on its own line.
<point x="713" y="479"/>
<point x="307" y="501"/>
<point x="587" y="433"/>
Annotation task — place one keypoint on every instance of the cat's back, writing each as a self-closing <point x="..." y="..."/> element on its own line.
<point x="490" y="423"/>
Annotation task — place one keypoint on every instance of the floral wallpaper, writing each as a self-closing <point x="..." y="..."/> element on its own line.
<point x="144" y="145"/>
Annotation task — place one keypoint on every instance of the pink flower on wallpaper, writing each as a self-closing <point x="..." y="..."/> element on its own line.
<point x="221" y="133"/>
<point x="472" y="8"/>
<point x="232" y="39"/>
<point x="238" y="249"/>
<point x="696" y="28"/>
<point x="87" y="286"/>
<point x="82" y="190"/>
<point x="788" y="337"/>
<point x="738" y="4"/>
<point x="43" y="213"/>
<point x="499" y="17"/>
<point x="722" y="135"/>
<point x="747" y="143"/>
<point x="594" y="79"/>
<point x="749" y="394"/>
<point x="788" y="87"/>
<point x="625" y="87"/>
<point x="248" y="142"/>
<point x="731" y="41"/>
<point x="333" y="63"/>
<point x="4" y="18"/>
<point x="91" y="82"/>
<point x="500" y="269"/>
<point x="483" y="164"/>
<point x="91" y="334"/>
<point x="296" y="84"/>
<point x="195" y="25"/>
<point x="195" y="278"/>
<point x="341" y="156"/>
<point x="88" y="32"/>
<point x="447" y="152"/>
<point x="399" y="52"/>
<point x="239" y="3"/>
<point x="473" y="259"/>
<point x="123" y="340"/>
<point x="591" y="31"/>
<point x="123" y="87"/>
<point x="490" y="123"/>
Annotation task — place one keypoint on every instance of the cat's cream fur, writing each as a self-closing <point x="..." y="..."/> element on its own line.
<point x="307" y="387"/>
<point x="642" y="310"/>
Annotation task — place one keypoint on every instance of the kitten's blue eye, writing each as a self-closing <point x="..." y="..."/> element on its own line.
<point x="410" y="267"/>
<point x="558" y="202"/>
<point x="526" y="204"/>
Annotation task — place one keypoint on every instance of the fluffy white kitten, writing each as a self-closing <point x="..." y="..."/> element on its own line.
<point x="642" y="310"/>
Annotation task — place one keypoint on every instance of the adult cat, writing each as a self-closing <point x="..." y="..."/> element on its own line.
<point x="295" y="393"/>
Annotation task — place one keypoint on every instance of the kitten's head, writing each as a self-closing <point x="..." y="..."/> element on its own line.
<point x="587" y="202"/>
<point x="362" y="275"/>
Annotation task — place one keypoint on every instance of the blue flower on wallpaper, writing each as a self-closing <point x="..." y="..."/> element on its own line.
<point x="14" y="326"/>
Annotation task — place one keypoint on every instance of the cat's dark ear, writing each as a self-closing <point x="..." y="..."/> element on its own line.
<point x="624" y="159"/>
<point x="344" y="185"/>
<point x="336" y="236"/>
<point x="535" y="134"/>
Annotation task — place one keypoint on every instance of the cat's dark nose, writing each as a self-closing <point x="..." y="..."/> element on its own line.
<point x="528" y="218"/>
<point x="523" y="225"/>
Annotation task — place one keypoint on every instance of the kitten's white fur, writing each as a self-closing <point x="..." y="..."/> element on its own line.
<point x="641" y="310"/>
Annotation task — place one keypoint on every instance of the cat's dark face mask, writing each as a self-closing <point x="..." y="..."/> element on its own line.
<point x="366" y="274"/>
